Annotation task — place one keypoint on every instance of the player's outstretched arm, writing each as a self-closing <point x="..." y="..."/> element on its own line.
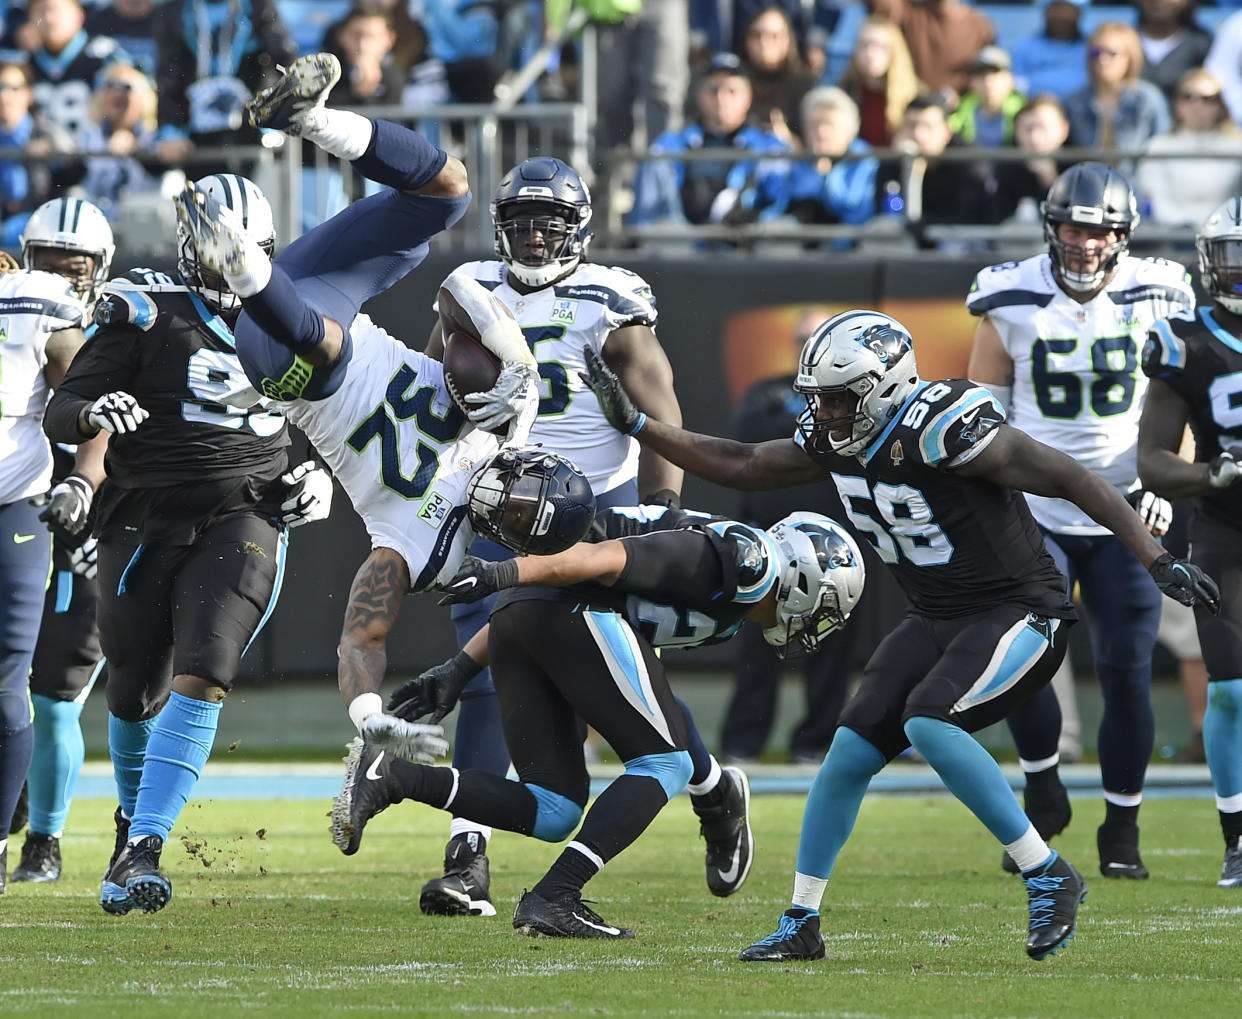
<point x="601" y="561"/>
<point x="748" y="466"/>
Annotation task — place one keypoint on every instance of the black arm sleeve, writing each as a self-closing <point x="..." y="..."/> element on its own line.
<point x="103" y="365"/>
<point x="680" y="567"/>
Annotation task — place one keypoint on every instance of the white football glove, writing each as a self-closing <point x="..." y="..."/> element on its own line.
<point x="69" y="504"/>
<point x="84" y="560"/>
<point x="411" y="741"/>
<point x="1155" y="511"/>
<point x="514" y="396"/>
<point x="118" y="413"/>
<point x="1225" y="469"/>
<point x="309" y="494"/>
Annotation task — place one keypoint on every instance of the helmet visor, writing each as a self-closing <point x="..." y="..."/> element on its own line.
<point x="1225" y="259"/>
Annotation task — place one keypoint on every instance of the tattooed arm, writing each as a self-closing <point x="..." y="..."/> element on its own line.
<point x="374" y="600"/>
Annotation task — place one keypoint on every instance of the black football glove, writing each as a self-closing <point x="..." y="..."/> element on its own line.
<point x="1155" y="511"/>
<point x="477" y="578"/>
<point x="68" y="506"/>
<point x="614" y="401"/>
<point x="1185" y="582"/>
<point x="437" y="690"/>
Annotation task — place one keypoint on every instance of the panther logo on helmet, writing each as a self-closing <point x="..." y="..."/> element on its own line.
<point x="541" y="213"/>
<point x="531" y="501"/>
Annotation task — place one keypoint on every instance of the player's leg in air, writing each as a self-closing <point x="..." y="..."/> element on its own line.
<point x="929" y="685"/>
<point x="67" y="663"/>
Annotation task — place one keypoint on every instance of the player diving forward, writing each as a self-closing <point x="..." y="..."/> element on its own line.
<point x="581" y="648"/>
<point x="929" y="474"/>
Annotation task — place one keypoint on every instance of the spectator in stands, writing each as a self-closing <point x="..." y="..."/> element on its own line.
<point x="724" y="191"/>
<point x="943" y="36"/>
<point x="778" y="77"/>
<point x="67" y="61"/>
<point x="1186" y="191"/>
<point x="363" y="41"/>
<point x="1041" y="129"/>
<point x="1173" y="43"/>
<point x="130" y="23"/>
<point x="717" y="26"/>
<point x="123" y="124"/>
<point x="1054" y="62"/>
<point x="985" y="114"/>
<point x="769" y="410"/>
<point x="213" y="56"/>
<point x="27" y="183"/>
<point x="881" y="80"/>
<point x="409" y="48"/>
<point x="1224" y="60"/>
<point x="1117" y="109"/>
<point x="831" y="188"/>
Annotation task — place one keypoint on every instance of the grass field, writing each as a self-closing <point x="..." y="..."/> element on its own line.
<point x="268" y="918"/>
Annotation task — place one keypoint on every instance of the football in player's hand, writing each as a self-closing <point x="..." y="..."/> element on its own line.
<point x="469" y="367"/>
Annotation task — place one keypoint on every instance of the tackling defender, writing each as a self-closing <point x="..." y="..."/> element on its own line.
<point x="930" y="475"/>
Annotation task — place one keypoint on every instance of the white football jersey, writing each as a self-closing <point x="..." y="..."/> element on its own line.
<point x="558" y="321"/>
<point x="1078" y="385"/>
<point x="405" y="460"/>
<point x="33" y="305"/>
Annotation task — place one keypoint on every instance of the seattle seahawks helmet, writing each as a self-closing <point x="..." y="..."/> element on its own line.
<point x="1219" y="243"/>
<point x="531" y="501"/>
<point x="244" y="197"/>
<point x="1091" y="195"/>
<point x="70" y="224"/>
<point x="860" y="353"/>
<point x="541" y="213"/>
<point x="821" y="579"/>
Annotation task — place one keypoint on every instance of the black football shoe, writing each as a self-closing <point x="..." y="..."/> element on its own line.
<point x="564" y="917"/>
<point x="369" y="788"/>
<point x="135" y="881"/>
<point x="724" y="823"/>
<point x="797" y="937"/>
<point x="1118" y="843"/>
<point x="40" y="861"/>
<point x="465" y="888"/>
<point x="1053" y="894"/>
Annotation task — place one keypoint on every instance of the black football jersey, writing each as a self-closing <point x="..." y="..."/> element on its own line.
<point x="177" y="359"/>
<point x="689" y="578"/>
<point x="1202" y="362"/>
<point x="63" y="84"/>
<point x="958" y="545"/>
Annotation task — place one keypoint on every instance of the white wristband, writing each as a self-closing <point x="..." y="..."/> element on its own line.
<point x="363" y="706"/>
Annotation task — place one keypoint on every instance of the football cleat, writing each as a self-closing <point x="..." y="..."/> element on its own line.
<point x="369" y="788"/>
<point x="1231" y="869"/>
<point x="122" y="836"/>
<point x="1054" y="891"/>
<point x="215" y="232"/>
<point x="796" y="937"/>
<point x="1119" y="851"/>
<point x="465" y="888"/>
<point x="1048" y="810"/>
<point x="304" y="86"/>
<point x="724" y="823"/>
<point x="565" y="917"/>
<point x="40" y="859"/>
<point x="135" y="881"/>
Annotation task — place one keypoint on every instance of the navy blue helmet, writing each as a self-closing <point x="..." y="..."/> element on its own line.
<point x="1091" y="195"/>
<point x="541" y="213"/>
<point x="531" y="501"/>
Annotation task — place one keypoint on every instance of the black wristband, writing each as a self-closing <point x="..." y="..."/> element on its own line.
<point x="464" y="667"/>
<point x="506" y="574"/>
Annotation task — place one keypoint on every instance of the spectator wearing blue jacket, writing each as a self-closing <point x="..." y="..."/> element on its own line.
<point x="833" y="186"/>
<point x="717" y="191"/>
<point x="1055" y="61"/>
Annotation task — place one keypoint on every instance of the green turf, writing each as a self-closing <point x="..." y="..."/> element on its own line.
<point x="268" y="918"/>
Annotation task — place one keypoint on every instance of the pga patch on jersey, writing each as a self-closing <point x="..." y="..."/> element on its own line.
<point x="564" y="310"/>
<point x="434" y="509"/>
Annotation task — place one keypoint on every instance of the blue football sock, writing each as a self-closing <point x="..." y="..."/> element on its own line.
<point x="1222" y="736"/>
<point x="400" y="158"/>
<point x="58" y="754"/>
<point x="179" y="747"/>
<point x="971" y="774"/>
<point x="16" y="749"/>
<point x="833" y="802"/>
<point x="699" y="757"/>
<point x="127" y="746"/>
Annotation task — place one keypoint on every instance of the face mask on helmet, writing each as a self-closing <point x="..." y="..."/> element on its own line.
<point x="1092" y="196"/>
<point x="244" y="197"/>
<point x="821" y="579"/>
<point x="1219" y="244"/>
<point x="541" y="212"/>
<point x="856" y="371"/>
<point x="71" y="238"/>
<point x="531" y="501"/>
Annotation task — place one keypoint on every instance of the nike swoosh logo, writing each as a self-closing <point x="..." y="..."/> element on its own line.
<point x="598" y="926"/>
<point x="730" y="875"/>
<point x="373" y="772"/>
<point x="21" y="539"/>
<point x="464" y="585"/>
<point x="968" y="418"/>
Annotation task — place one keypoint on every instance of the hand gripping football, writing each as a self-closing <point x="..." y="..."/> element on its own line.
<point x="469" y="367"/>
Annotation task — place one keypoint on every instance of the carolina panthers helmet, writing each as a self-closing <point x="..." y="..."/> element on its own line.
<point x="821" y="579"/>
<point x="547" y="196"/>
<point x="532" y="501"/>
<point x="1219" y="243"/>
<point x="70" y="224"/>
<point x="1094" y="195"/>
<point x="243" y="196"/>
<point x="862" y="353"/>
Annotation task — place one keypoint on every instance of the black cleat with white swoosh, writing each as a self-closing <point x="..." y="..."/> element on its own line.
<point x="724" y="822"/>
<point x="564" y="917"/>
<point x="369" y="788"/>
